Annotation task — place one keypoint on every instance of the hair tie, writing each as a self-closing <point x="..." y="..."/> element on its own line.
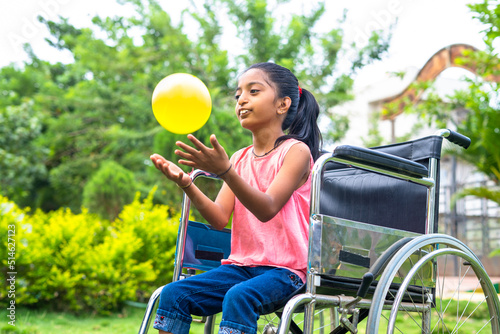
<point x="300" y="91"/>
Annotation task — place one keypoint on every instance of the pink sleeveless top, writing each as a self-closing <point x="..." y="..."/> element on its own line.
<point x="283" y="240"/>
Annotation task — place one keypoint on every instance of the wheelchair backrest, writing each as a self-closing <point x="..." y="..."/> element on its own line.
<point x="363" y="213"/>
<point x="377" y="199"/>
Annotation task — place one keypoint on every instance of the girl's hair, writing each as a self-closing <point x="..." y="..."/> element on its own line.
<point x="301" y="120"/>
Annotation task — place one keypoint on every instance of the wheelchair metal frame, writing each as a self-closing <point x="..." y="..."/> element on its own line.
<point x="385" y="266"/>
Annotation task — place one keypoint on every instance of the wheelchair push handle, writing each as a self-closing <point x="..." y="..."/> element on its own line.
<point x="455" y="137"/>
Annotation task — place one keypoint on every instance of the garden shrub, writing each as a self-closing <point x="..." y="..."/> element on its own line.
<point x="11" y="218"/>
<point x="83" y="263"/>
<point x="109" y="189"/>
<point x="151" y="224"/>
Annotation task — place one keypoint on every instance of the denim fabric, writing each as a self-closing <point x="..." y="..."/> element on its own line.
<point x="242" y="294"/>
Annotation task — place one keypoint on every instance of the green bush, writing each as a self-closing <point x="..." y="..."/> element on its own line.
<point x="109" y="189"/>
<point x="151" y="224"/>
<point x="11" y="244"/>
<point x="83" y="263"/>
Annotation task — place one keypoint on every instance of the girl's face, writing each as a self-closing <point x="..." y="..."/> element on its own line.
<point x="257" y="105"/>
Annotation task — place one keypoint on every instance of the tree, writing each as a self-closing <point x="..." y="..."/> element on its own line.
<point x="21" y="160"/>
<point x="98" y="107"/>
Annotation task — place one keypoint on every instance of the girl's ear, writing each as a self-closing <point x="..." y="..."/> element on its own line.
<point x="284" y="105"/>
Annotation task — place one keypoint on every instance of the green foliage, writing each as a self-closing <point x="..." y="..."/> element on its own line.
<point x="374" y="137"/>
<point x="341" y="127"/>
<point x="108" y="190"/>
<point x="98" y="107"/>
<point x="81" y="263"/>
<point x="156" y="226"/>
<point x="21" y="160"/>
<point x="488" y="13"/>
<point x="481" y="192"/>
<point x="432" y="110"/>
<point x="376" y="47"/>
<point x="482" y="125"/>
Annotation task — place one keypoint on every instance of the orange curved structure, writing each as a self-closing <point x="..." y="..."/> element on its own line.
<point x="441" y="60"/>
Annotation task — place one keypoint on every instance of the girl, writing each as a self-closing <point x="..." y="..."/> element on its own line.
<point x="266" y="189"/>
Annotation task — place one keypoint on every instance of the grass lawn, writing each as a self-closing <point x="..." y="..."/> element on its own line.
<point x="128" y="322"/>
<point x="44" y="322"/>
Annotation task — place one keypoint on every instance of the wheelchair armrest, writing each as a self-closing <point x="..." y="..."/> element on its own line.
<point x="380" y="160"/>
<point x="184" y="222"/>
<point x="201" y="173"/>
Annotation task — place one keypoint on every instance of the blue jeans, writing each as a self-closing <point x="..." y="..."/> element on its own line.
<point x="242" y="294"/>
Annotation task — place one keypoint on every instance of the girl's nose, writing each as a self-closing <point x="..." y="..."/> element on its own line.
<point x="241" y="100"/>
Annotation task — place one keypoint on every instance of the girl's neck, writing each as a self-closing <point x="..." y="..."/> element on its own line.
<point x="264" y="141"/>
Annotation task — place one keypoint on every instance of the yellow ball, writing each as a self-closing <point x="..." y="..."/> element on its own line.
<point x="181" y="103"/>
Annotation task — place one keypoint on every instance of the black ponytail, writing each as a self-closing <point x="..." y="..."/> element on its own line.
<point x="304" y="126"/>
<point x="301" y="122"/>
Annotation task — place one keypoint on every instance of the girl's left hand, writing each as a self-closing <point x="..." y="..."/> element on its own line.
<point x="214" y="160"/>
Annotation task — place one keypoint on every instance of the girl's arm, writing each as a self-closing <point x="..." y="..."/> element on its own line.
<point x="218" y="212"/>
<point x="264" y="205"/>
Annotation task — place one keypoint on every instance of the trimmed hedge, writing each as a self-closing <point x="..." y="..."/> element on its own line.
<point x="82" y="263"/>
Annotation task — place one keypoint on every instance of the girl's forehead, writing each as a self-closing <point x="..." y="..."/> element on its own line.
<point x="254" y="75"/>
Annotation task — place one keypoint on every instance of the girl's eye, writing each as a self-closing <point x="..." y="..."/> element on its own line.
<point x="237" y="97"/>
<point x="253" y="91"/>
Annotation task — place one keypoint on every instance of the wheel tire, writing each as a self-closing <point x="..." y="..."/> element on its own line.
<point x="463" y="303"/>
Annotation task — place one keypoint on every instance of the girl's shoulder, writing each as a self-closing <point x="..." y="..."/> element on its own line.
<point x="300" y="151"/>
<point x="291" y="142"/>
<point x="241" y="153"/>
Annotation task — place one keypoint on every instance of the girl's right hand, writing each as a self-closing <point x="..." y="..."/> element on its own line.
<point x="171" y="170"/>
<point x="216" y="213"/>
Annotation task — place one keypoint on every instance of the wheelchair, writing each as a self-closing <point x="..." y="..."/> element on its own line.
<point x="376" y="263"/>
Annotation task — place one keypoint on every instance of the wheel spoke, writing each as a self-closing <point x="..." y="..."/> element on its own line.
<point x="466" y="306"/>
<point x="486" y="324"/>
<point x="438" y="312"/>
<point x="455" y="330"/>
<point x="457" y="291"/>
<point x="394" y="327"/>
<point x="440" y="321"/>
<point x="458" y="298"/>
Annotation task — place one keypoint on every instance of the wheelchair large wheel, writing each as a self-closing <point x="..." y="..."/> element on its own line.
<point x="460" y="298"/>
